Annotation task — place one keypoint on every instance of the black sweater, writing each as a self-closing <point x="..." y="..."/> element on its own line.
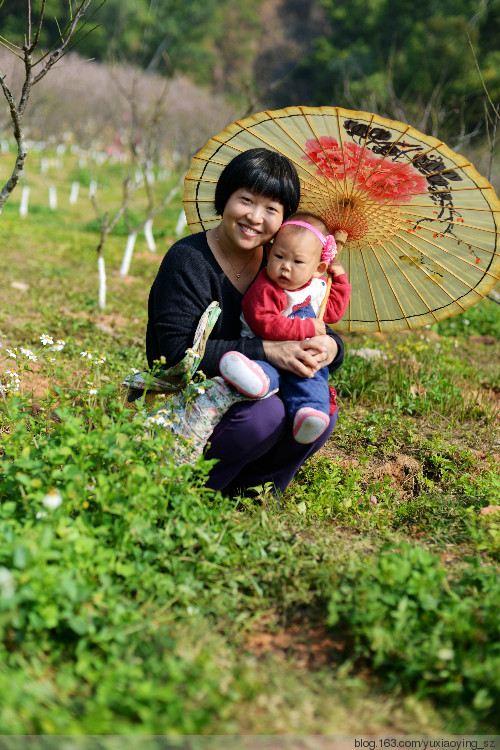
<point x="188" y="280"/>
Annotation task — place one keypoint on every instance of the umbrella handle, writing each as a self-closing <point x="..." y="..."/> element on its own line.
<point x="325" y="298"/>
<point x="341" y="238"/>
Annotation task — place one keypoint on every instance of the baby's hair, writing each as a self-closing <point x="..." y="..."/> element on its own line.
<point x="312" y="219"/>
<point x="316" y="221"/>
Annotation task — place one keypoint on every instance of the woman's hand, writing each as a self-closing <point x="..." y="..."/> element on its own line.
<point x="304" y="358"/>
<point x="324" y="349"/>
<point x="336" y="268"/>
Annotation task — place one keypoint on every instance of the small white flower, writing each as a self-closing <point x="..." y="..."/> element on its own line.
<point x="466" y="322"/>
<point x="92" y="391"/>
<point x="7" y="583"/>
<point x="28" y="354"/>
<point x="51" y="359"/>
<point x="11" y="353"/>
<point x="200" y="390"/>
<point x="87" y="355"/>
<point x="193" y="352"/>
<point x="134" y="370"/>
<point x="446" y="654"/>
<point x="100" y="360"/>
<point x="40" y="514"/>
<point x="58" y="346"/>
<point x="14" y="383"/>
<point x="53" y="499"/>
<point x="45" y="339"/>
<point x="158" y="420"/>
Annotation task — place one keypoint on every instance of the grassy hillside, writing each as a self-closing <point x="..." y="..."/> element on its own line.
<point x="134" y="601"/>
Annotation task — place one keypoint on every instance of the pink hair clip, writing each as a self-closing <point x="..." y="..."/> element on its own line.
<point x="329" y="245"/>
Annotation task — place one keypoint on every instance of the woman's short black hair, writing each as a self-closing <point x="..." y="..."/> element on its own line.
<point x="266" y="173"/>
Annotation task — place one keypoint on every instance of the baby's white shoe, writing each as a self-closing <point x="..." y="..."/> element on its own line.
<point x="309" y="424"/>
<point x="245" y="375"/>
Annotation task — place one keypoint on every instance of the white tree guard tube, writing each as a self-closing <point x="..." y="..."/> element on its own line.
<point x="181" y="223"/>
<point x="52" y="198"/>
<point x="101" y="267"/>
<point x="92" y="188"/>
<point x="73" y="196"/>
<point x="127" y="255"/>
<point x="23" y="206"/>
<point x="148" y="233"/>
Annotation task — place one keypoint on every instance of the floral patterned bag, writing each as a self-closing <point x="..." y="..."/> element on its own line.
<point x="193" y="408"/>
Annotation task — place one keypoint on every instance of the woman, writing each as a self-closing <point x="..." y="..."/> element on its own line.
<point x="253" y="442"/>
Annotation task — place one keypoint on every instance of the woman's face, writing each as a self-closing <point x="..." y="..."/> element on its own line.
<point x="250" y="220"/>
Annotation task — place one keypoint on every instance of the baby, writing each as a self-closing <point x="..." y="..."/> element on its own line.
<point x="283" y="305"/>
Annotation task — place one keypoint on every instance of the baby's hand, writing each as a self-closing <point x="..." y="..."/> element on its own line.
<point x="319" y="327"/>
<point x="336" y="268"/>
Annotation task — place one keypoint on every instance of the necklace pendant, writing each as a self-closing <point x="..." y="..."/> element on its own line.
<point x="238" y="275"/>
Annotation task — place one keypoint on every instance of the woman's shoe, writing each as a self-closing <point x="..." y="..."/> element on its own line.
<point x="245" y="375"/>
<point x="309" y="424"/>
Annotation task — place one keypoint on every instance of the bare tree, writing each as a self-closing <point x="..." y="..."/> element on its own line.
<point x="37" y="64"/>
<point x="492" y="117"/>
<point x="143" y="142"/>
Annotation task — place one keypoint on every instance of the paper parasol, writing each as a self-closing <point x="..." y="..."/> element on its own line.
<point x="422" y="223"/>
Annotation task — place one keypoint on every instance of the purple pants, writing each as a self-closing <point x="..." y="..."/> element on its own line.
<point x="254" y="445"/>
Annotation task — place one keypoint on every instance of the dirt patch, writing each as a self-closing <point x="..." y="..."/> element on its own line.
<point x="310" y="646"/>
<point x="401" y="470"/>
<point x="484" y="340"/>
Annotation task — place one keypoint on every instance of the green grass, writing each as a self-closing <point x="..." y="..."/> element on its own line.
<point x="365" y="602"/>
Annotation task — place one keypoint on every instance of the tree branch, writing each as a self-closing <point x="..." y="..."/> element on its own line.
<point x="48" y="60"/>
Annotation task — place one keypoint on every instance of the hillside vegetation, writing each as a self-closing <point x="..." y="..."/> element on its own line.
<point x="412" y="62"/>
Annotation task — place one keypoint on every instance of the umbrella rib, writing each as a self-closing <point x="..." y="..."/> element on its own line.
<point x="424" y="302"/>
<point x="429" y="276"/>
<point x="371" y="288"/>
<point x="470" y="244"/>
<point x="421" y="216"/>
<point x="321" y="186"/>
<point x="448" y="252"/>
<point x="380" y="161"/>
<point x="353" y="192"/>
<point x="326" y="183"/>
<point x="270" y="144"/>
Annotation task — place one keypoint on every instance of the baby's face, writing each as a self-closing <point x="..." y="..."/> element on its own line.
<point x="294" y="258"/>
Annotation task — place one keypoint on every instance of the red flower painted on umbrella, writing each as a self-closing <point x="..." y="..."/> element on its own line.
<point x="381" y="178"/>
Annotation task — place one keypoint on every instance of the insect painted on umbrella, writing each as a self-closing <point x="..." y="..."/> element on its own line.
<point x="438" y="177"/>
<point x="379" y="140"/>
